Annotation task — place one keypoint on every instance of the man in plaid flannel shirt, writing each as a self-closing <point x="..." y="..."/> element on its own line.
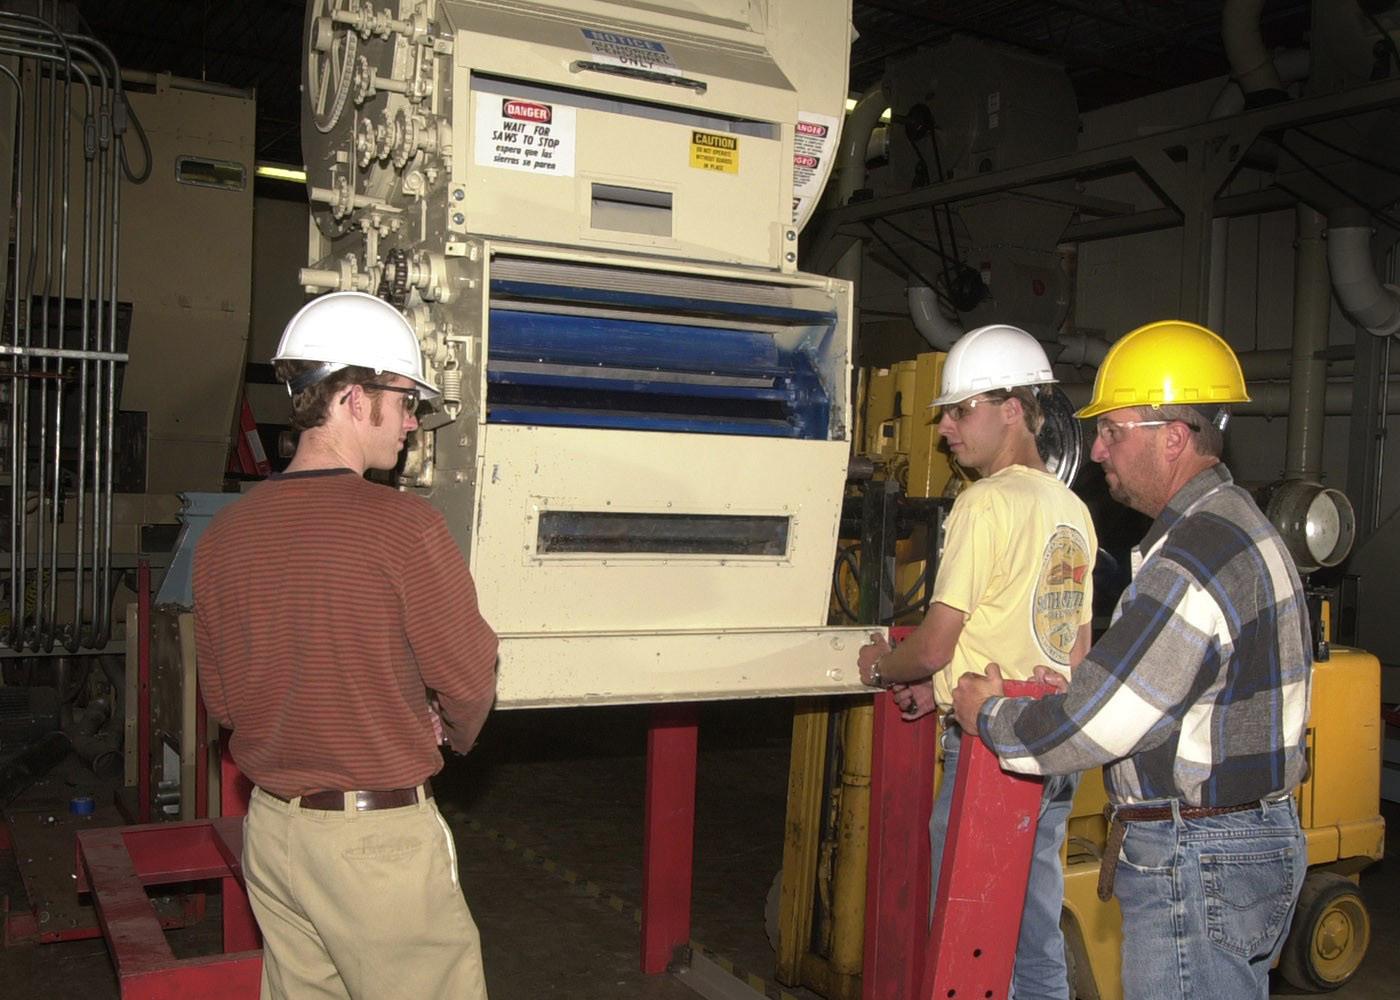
<point x="1196" y="698"/>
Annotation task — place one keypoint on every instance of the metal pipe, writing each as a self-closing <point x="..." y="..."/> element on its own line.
<point x="1312" y="309"/>
<point x="1291" y="65"/>
<point x="1370" y="304"/>
<point x="115" y="127"/>
<point x="105" y="609"/>
<point x="47" y="637"/>
<point x="41" y="493"/>
<point x="855" y="141"/>
<point x="35" y="39"/>
<point x="63" y="352"/>
<point x="16" y="499"/>
<point x="933" y="326"/>
<point x="1244" y="47"/>
<point x="89" y="192"/>
<point x="1219" y="251"/>
<point x="109" y="165"/>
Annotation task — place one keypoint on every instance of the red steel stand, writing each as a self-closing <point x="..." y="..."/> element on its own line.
<point x="971" y="948"/>
<point x="115" y="864"/>
<point x="668" y="847"/>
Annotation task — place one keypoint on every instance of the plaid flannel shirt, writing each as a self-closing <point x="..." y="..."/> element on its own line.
<point x="1198" y="691"/>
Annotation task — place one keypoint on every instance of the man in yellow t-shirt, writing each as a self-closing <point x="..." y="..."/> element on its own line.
<point x="1014" y="587"/>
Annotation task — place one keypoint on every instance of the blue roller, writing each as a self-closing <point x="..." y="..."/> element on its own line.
<point x="607" y="372"/>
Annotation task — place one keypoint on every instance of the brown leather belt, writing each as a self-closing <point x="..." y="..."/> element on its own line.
<point x="1118" y="820"/>
<point x="365" y="800"/>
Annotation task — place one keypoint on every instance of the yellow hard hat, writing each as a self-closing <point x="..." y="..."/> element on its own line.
<point x="1168" y="363"/>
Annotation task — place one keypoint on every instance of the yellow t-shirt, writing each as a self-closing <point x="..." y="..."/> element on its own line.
<point x="1018" y="562"/>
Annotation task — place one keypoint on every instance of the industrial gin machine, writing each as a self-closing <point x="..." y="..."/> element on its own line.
<point x="589" y="211"/>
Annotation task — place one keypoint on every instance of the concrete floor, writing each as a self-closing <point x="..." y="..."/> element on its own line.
<point x="548" y="818"/>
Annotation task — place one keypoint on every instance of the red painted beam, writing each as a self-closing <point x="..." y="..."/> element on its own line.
<point x="668" y="848"/>
<point x="897" y="891"/>
<point x="986" y="861"/>
<point x="143" y="691"/>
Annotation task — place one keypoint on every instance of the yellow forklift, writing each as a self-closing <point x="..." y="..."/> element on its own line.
<point x="817" y="913"/>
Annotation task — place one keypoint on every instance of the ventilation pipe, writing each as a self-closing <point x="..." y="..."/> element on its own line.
<point x="1312" y="308"/>
<point x="850" y="178"/>
<point x="1372" y="305"/>
<point x="856" y="137"/>
<point x="1080" y="349"/>
<point x="929" y="320"/>
<point x="1250" y="63"/>
<point x="1290" y="66"/>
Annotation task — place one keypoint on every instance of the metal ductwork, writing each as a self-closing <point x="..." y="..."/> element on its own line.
<point x="933" y="326"/>
<point x="1250" y="62"/>
<point x="1372" y="305"/>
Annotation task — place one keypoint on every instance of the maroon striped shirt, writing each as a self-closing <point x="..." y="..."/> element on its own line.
<point x="324" y="605"/>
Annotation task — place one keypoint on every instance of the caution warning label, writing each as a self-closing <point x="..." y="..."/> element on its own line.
<point x="712" y="151"/>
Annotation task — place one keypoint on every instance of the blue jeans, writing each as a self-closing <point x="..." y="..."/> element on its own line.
<point x="1040" y="972"/>
<point x="1207" y="902"/>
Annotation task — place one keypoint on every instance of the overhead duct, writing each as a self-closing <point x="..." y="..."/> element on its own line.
<point x="1372" y="305"/>
<point x="856" y="136"/>
<point x="1290" y="66"/>
<point x="933" y="326"/>
<point x="1250" y="62"/>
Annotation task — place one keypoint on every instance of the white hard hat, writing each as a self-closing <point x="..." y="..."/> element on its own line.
<point x="993" y="357"/>
<point x="353" y="328"/>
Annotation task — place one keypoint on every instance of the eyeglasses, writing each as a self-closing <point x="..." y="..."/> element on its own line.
<point x="960" y="411"/>
<point x="1114" y="431"/>
<point x="411" y="397"/>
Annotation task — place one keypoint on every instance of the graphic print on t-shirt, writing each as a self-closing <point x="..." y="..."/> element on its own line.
<point x="1059" y="593"/>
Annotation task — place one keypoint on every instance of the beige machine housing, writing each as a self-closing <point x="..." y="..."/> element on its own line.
<point x="589" y="211"/>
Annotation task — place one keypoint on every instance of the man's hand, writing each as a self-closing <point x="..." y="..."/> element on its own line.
<point x="1052" y="677"/>
<point x="869" y="655"/>
<point x="972" y="690"/>
<point x="435" y="717"/>
<point x="914" y="700"/>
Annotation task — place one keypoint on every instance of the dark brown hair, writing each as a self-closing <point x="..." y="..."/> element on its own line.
<point x="312" y="405"/>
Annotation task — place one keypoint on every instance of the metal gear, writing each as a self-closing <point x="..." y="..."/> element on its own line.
<point x="393" y="285"/>
<point x="325" y="70"/>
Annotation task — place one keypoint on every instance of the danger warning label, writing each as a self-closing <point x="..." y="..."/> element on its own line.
<point x="813" y="142"/>
<point x="513" y="133"/>
<point x="712" y="151"/>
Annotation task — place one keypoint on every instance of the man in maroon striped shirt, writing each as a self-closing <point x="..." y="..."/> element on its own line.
<point x="326" y="608"/>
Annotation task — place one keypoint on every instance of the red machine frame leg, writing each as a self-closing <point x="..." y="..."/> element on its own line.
<point x="668" y="849"/>
<point x="986" y="863"/>
<point x="143" y="691"/>
<point x="897" y="892"/>
<point x="240" y="927"/>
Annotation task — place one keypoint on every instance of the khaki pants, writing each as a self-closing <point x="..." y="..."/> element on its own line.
<point x="360" y="905"/>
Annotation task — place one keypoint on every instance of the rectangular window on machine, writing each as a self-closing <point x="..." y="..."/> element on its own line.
<point x="588" y="532"/>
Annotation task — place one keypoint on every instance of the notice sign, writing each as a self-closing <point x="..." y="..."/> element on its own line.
<point x="813" y="144"/>
<point x="518" y="134"/>
<point x="628" y="50"/>
<point x="712" y="151"/>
